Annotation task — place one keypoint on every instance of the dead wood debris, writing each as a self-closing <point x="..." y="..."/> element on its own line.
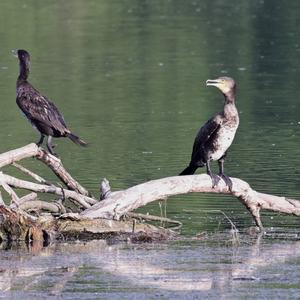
<point x="76" y="213"/>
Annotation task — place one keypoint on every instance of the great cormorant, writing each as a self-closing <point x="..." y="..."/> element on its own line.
<point x="216" y="135"/>
<point x="41" y="112"/>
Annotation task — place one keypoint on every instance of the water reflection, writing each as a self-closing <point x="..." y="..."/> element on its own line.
<point x="185" y="266"/>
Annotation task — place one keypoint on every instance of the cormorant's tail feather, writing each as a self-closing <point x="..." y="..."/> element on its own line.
<point x="75" y="139"/>
<point x="189" y="170"/>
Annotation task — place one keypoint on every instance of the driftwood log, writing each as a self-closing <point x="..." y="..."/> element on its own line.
<point x="78" y="214"/>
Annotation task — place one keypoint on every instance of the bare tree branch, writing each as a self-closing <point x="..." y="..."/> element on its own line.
<point x="32" y="150"/>
<point x="122" y="202"/>
<point x="56" y="166"/>
<point x="116" y="204"/>
<point x="42" y="205"/>
<point x="1" y="199"/>
<point x="9" y="157"/>
<point x="36" y="177"/>
<point x="72" y="195"/>
<point x="29" y="197"/>
<point x="14" y="197"/>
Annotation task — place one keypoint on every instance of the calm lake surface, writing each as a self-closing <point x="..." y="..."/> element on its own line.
<point x="129" y="77"/>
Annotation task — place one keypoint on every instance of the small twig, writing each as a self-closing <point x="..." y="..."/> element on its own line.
<point x="133" y="225"/>
<point x="59" y="203"/>
<point x="1" y="199"/>
<point x="152" y="218"/>
<point x="63" y="198"/>
<point x="234" y="230"/>
<point x="30" y="173"/>
<point x="228" y="219"/>
<point x="14" y="197"/>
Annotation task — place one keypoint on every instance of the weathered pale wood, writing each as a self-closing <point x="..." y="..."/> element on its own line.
<point x="116" y="204"/>
<point x="26" y="198"/>
<point x="29" y="197"/>
<point x="9" y="157"/>
<point x="1" y="199"/>
<point x="26" y="171"/>
<point x="57" y="167"/>
<point x="54" y="163"/>
<point x="14" y="197"/>
<point x="122" y="202"/>
<point x="42" y="205"/>
<point x="23" y="184"/>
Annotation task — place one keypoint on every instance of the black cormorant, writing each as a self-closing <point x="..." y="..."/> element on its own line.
<point x="217" y="134"/>
<point x="42" y="113"/>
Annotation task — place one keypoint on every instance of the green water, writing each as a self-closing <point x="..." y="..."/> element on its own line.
<point x="129" y="77"/>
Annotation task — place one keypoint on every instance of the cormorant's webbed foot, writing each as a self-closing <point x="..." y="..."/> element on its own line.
<point x="40" y="141"/>
<point x="227" y="181"/>
<point x="215" y="179"/>
<point x="50" y="146"/>
<point x="225" y="178"/>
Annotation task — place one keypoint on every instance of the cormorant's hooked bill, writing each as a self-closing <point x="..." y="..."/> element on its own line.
<point x="224" y="84"/>
<point x="15" y="52"/>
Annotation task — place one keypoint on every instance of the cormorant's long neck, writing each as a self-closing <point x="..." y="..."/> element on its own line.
<point x="24" y="70"/>
<point x="229" y="105"/>
<point x="229" y="97"/>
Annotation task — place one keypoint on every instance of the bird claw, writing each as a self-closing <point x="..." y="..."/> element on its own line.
<point x="215" y="179"/>
<point x="227" y="181"/>
<point x="55" y="154"/>
<point x="52" y="152"/>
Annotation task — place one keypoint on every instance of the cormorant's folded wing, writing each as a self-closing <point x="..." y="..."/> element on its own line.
<point x="38" y="108"/>
<point x="206" y="132"/>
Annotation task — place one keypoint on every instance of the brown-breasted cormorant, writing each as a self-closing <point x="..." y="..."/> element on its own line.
<point x="217" y="134"/>
<point x="41" y="112"/>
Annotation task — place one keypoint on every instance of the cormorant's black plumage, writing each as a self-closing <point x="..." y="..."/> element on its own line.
<point x="217" y="134"/>
<point x="41" y="112"/>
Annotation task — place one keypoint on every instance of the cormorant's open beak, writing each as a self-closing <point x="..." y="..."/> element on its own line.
<point x="212" y="82"/>
<point x="15" y="52"/>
